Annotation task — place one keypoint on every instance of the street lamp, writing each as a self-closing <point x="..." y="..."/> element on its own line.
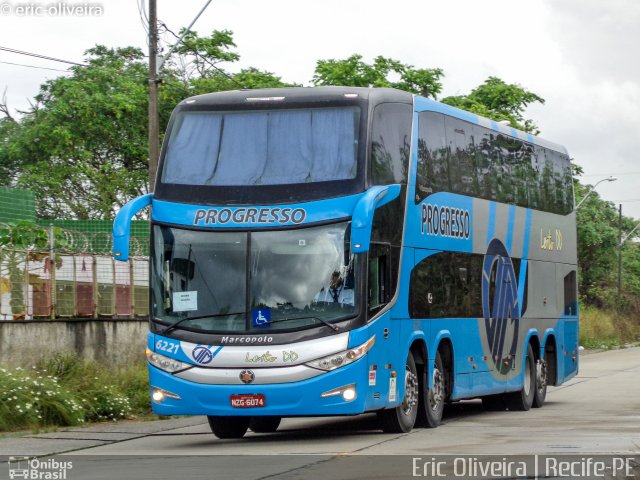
<point x="609" y="179"/>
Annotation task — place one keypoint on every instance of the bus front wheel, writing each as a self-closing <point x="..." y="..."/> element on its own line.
<point x="229" y="427"/>
<point x="402" y="418"/>
<point x="264" y="424"/>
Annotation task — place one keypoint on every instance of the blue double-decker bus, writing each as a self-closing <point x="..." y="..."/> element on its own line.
<point x="337" y="250"/>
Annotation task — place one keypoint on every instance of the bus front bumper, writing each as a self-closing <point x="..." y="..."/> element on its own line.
<point x="282" y="399"/>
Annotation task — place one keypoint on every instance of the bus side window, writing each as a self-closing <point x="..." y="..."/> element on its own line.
<point x="378" y="272"/>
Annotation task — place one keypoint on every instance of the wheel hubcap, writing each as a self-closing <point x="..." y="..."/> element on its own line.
<point x="410" y="391"/>
<point x="436" y="393"/>
<point x="541" y="374"/>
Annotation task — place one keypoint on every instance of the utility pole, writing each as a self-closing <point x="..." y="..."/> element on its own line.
<point x="619" y="256"/>
<point x="154" y="121"/>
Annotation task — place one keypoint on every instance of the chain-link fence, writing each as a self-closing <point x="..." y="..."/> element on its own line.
<point x="64" y="269"/>
<point x="36" y="284"/>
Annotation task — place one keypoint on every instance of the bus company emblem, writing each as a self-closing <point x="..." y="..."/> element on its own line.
<point x="247" y="376"/>
<point x="500" y="305"/>
<point x="445" y="221"/>
<point x="548" y="242"/>
<point x="242" y="215"/>
<point x="202" y="355"/>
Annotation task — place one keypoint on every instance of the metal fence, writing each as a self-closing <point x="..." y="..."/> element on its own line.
<point x="51" y="284"/>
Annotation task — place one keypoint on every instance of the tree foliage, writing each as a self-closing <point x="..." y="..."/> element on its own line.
<point x="598" y="225"/>
<point x="354" y="72"/>
<point x="81" y="148"/>
<point x="498" y="100"/>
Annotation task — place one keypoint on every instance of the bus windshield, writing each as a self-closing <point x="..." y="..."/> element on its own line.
<point x="265" y="147"/>
<point x="253" y="281"/>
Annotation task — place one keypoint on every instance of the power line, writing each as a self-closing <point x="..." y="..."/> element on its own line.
<point x="34" y="66"/>
<point x="84" y="65"/>
<point x="603" y="174"/>
<point x="37" y="55"/>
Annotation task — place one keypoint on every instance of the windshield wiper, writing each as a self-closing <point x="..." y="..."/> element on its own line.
<point x="330" y="325"/>
<point x="197" y="317"/>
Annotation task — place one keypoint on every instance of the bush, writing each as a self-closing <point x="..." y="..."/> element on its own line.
<point x="34" y="399"/>
<point x="67" y="390"/>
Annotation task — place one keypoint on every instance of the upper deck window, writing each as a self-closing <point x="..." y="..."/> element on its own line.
<point x="266" y="147"/>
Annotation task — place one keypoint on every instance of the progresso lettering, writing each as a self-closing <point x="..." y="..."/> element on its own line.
<point x="222" y="216"/>
<point x="445" y="221"/>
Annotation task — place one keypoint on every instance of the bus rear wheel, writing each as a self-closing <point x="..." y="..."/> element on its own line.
<point x="542" y="375"/>
<point x="522" y="400"/>
<point x="431" y="401"/>
<point x="229" y="427"/>
<point x="402" y="418"/>
<point x="264" y="424"/>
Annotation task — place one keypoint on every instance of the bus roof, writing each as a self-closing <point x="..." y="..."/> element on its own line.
<point x="301" y="94"/>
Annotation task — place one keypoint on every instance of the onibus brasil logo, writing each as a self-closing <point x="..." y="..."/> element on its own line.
<point x="38" y="469"/>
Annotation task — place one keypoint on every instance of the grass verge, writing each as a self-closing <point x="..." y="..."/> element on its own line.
<point x="607" y="329"/>
<point x="67" y="390"/>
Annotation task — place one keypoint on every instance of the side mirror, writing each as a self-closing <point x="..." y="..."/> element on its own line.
<point x="122" y="225"/>
<point x="363" y="214"/>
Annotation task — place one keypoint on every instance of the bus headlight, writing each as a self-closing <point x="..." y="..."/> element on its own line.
<point x="337" y="360"/>
<point x="167" y="364"/>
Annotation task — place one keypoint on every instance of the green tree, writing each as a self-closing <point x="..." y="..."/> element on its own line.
<point x="82" y="147"/>
<point x="498" y="100"/>
<point x="383" y="72"/>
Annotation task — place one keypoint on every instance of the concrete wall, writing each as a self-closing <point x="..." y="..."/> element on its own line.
<point x="24" y="342"/>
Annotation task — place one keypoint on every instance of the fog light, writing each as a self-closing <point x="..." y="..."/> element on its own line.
<point x="349" y="394"/>
<point x="158" y="394"/>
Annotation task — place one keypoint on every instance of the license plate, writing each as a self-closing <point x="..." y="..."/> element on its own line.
<point x="248" y="400"/>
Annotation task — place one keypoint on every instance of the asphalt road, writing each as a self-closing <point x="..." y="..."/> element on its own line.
<point x="597" y="412"/>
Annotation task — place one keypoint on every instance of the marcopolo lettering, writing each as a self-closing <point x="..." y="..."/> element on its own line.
<point x="276" y="215"/>
<point x="246" y="340"/>
<point x="446" y="221"/>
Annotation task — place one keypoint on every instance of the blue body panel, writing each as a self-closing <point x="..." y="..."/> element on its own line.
<point x="285" y="399"/>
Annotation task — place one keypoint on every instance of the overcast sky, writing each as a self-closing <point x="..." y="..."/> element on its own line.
<point x="582" y="56"/>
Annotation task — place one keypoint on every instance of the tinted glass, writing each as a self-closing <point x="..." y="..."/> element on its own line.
<point x="471" y="160"/>
<point x="447" y="285"/>
<point x="433" y="157"/>
<point x="217" y="281"/>
<point x="184" y="270"/>
<point x="263" y="147"/>
<point x="570" y="294"/>
<point x="303" y="275"/>
<point x="390" y="143"/>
